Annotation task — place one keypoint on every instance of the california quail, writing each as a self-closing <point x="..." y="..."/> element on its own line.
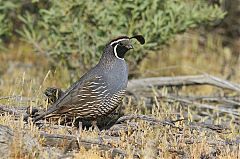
<point x="101" y="89"/>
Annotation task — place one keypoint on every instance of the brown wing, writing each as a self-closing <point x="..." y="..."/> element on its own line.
<point x="84" y="100"/>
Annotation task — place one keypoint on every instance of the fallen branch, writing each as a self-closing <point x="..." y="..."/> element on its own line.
<point x="9" y="97"/>
<point x="18" y="98"/>
<point x="147" y="118"/>
<point x="154" y="121"/>
<point x="200" y="105"/>
<point x="74" y="143"/>
<point x="16" y="111"/>
<point x="205" y="79"/>
<point x="228" y="100"/>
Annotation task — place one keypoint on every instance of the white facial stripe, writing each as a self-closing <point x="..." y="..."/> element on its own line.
<point x="115" y="52"/>
<point x="118" y="41"/>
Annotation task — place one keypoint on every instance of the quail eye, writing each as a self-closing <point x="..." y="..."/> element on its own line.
<point x="121" y="44"/>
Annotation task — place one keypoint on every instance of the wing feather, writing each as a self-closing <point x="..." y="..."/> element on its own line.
<point x="85" y="99"/>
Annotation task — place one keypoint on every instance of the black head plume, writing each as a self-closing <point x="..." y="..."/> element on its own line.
<point x="139" y="38"/>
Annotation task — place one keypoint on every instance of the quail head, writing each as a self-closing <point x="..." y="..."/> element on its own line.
<point x="101" y="90"/>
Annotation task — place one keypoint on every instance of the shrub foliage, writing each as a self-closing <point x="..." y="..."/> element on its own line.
<point x="62" y="28"/>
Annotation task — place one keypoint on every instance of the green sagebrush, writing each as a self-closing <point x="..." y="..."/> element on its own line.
<point x="61" y="28"/>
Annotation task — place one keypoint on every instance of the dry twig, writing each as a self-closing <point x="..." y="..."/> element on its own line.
<point x="200" y="105"/>
<point x="205" y="79"/>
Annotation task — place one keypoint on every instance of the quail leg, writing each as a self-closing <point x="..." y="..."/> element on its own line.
<point x="79" y="133"/>
<point x="94" y="124"/>
<point x="80" y="127"/>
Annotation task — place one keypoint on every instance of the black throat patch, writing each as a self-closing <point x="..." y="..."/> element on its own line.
<point x="121" y="50"/>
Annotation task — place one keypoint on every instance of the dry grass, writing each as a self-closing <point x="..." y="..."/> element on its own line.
<point x="23" y="73"/>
